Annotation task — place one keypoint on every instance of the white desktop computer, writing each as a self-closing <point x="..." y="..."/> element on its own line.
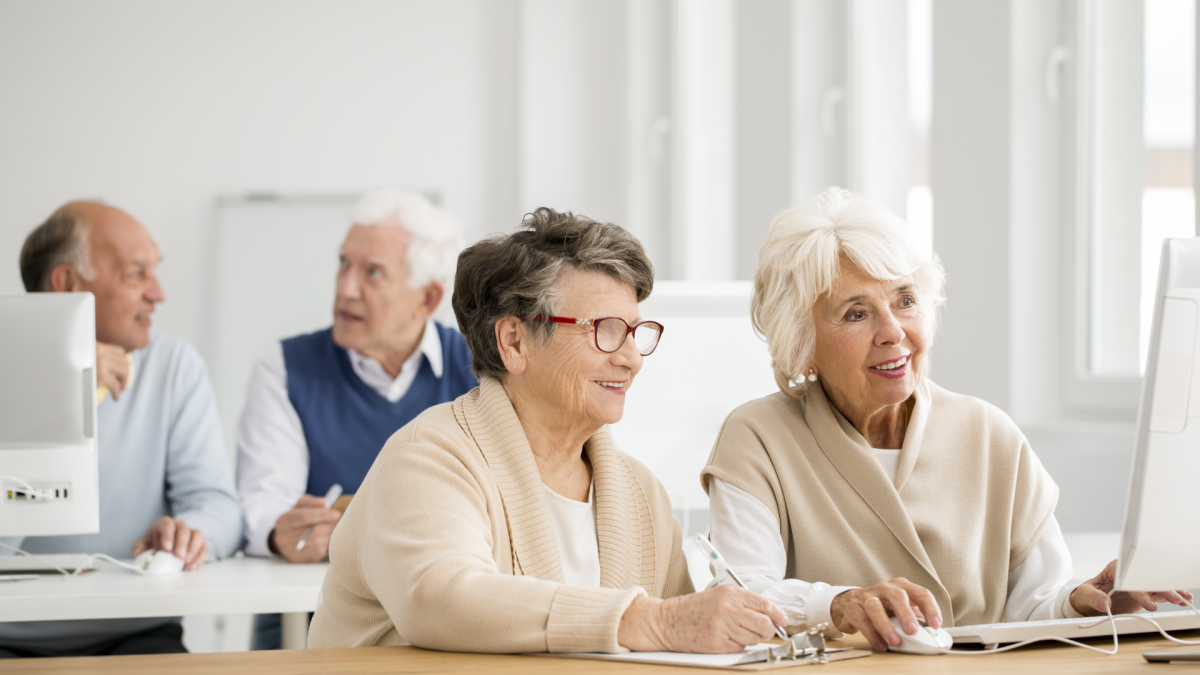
<point x="48" y="457"/>
<point x="1159" y="546"/>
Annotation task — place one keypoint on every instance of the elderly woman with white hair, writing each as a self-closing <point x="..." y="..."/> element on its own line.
<point x="863" y="490"/>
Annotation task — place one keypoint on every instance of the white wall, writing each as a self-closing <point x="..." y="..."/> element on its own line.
<point x="160" y="107"/>
<point x="501" y="105"/>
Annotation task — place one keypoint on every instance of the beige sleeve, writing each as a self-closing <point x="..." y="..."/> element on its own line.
<point x="1035" y="497"/>
<point x="740" y="458"/>
<point x="427" y="556"/>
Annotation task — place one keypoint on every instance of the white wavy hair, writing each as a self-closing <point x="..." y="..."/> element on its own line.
<point x="799" y="262"/>
<point x="436" y="233"/>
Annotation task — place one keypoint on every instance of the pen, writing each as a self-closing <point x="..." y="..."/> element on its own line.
<point x="718" y="562"/>
<point x="335" y="491"/>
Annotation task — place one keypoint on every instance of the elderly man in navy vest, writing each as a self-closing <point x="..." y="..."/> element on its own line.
<point x="320" y="406"/>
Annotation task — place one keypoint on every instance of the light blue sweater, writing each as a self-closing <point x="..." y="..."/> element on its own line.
<point x="161" y="453"/>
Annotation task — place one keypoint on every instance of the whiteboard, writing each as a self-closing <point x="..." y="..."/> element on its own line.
<point x="277" y="260"/>
<point x="709" y="362"/>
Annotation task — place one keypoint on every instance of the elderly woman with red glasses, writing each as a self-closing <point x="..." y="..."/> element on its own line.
<point x="507" y="521"/>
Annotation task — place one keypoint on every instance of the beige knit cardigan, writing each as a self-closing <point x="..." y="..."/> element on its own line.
<point x="969" y="501"/>
<point x="449" y="544"/>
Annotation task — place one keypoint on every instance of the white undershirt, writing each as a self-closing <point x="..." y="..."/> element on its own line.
<point x="747" y="534"/>
<point x="575" y="530"/>
<point x="272" y="464"/>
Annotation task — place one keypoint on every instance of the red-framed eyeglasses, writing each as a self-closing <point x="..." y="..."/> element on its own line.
<point x="610" y="332"/>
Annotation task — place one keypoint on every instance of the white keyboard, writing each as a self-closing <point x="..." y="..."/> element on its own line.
<point x="1018" y="631"/>
<point x="13" y="564"/>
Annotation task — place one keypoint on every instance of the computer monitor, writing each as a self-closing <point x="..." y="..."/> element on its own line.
<point x="1159" y="546"/>
<point x="48" y="415"/>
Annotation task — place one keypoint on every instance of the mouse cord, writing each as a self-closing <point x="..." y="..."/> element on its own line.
<point x="102" y="556"/>
<point x="41" y="560"/>
<point x="86" y="563"/>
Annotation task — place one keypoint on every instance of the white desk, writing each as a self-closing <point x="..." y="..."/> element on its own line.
<point x="234" y="586"/>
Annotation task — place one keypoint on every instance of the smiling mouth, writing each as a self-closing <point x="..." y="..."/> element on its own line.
<point x="892" y="365"/>
<point x="620" y="386"/>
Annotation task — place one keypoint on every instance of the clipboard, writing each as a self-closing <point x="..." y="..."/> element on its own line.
<point x="711" y="661"/>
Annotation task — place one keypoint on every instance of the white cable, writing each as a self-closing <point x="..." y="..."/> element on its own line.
<point x="1110" y="618"/>
<point x="44" y="562"/>
<point x="29" y="489"/>
<point x="87" y="562"/>
<point x="110" y="559"/>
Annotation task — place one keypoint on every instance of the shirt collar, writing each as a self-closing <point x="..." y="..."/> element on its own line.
<point x="430" y="346"/>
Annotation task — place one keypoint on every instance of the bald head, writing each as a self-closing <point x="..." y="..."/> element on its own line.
<point x="97" y="248"/>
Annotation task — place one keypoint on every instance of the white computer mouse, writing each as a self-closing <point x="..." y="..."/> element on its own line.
<point x="155" y="562"/>
<point x="927" y="641"/>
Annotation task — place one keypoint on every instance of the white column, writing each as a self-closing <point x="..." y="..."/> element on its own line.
<point x="881" y="136"/>
<point x="704" y="211"/>
<point x="651" y="133"/>
<point x="573" y="109"/>
<point x="818" y="97"/>
<point x="971" y="174"/>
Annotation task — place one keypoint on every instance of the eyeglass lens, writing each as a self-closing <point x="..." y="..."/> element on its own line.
<point x="611" y="333"/>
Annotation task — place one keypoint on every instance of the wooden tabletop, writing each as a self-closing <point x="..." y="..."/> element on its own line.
<point x="1050" y="657"/>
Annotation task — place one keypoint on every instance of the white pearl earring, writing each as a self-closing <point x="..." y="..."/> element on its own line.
<point x="812" y="375"/>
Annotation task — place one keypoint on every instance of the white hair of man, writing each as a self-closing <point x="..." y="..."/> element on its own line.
<point x="436" y="234"/>
<point x="800" y="260"/>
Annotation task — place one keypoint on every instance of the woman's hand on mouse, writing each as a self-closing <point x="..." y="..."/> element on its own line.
<point x="868" y="610"/>
<point x="1091" y="597"/>
<point x="175" y="536"/>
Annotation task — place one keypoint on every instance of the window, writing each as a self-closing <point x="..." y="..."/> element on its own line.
<point x="1135" y="138"/>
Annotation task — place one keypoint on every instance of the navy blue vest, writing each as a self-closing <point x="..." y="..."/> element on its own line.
<point x="347" y="422"/>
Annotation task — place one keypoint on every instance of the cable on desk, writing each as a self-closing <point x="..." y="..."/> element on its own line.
<point x="86" y="563"/>
<point x="1110" y="618"/>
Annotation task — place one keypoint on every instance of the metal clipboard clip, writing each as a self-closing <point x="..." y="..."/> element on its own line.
<point x="806" y="646"/>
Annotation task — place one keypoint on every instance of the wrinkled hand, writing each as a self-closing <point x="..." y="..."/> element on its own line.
<point x="112" y="369"/>
<point x="721" y="620"/>
<point x="175" y="536"/>
<point x="1091" y="597"/>
<point x="867" y="610"/>
<point x="309" y="511"/>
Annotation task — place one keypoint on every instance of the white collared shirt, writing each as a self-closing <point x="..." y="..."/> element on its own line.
<point x="272" y="453"/>
<point x="747" y="534"/>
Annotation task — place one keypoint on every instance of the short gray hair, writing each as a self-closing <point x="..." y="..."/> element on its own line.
<point x="799" y="262"/>
<point x="517" y="275"/>
<point x="61" y="240"/>
<point x="436" y="234"/>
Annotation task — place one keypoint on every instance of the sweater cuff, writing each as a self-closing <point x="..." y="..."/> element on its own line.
<point x="585" y="619"/>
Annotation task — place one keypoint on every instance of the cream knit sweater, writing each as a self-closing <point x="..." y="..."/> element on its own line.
<point x="449" y="545"/>
<point x="969" y="501"/>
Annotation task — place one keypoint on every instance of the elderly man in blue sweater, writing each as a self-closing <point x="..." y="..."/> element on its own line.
<point x="320" y="406"/>
<point x="165" y="479"/>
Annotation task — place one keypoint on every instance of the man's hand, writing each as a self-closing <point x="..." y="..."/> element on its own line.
<point x="174" y="536"/>
<point x="309" y="511"/>
<point x="720" y="620"/>
<point x="112" y="369"/>
<point x="1091" y="597"/>
<point x="868" y="610"/>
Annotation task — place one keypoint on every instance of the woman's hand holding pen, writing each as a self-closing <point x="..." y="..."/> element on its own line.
<point x="721" y="620"/>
